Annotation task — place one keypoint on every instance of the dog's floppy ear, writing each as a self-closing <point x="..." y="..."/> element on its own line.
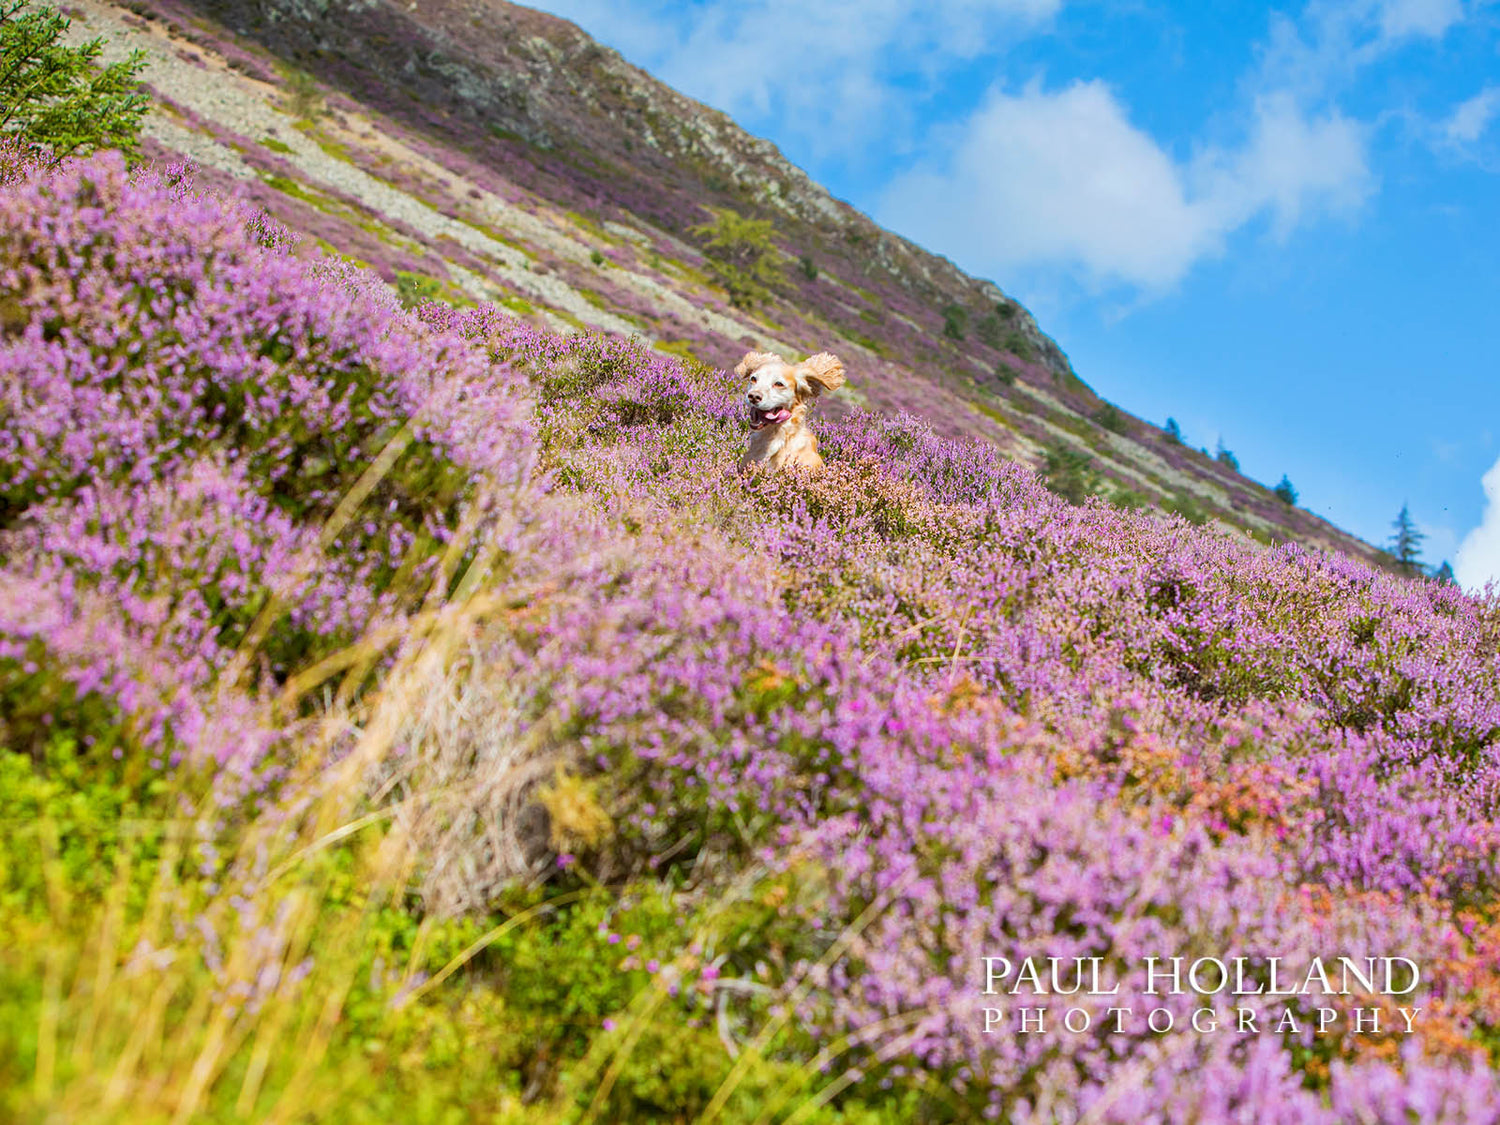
<point x="819" y="373"/>
<point x="754" y="361"/>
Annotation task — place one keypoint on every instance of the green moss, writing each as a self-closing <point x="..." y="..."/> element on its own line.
<point x="598" y="300"/>
<point x="415" y="288"/>
<point x="680" y="348"/>
<point x="503" y="134"/>
<point x="333" y="148"/>
<point x="590" y="225"/>
<point x="869" y="343"/>
<point x="992" y="413"/>
<point x="288" y="186"/>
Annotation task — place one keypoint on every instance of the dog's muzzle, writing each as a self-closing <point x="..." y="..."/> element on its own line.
<point x="760" y="419"/>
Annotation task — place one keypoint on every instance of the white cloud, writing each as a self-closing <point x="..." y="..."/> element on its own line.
<point x="1470" y="119"/>
<point x="1333" y="39"/>
<point x="843" y="71"/>
<point x="1063" y="178"/>
<point x="1478" y="559"/>
<point x="1431" y="18"/>
<point x="1293" y="162"/>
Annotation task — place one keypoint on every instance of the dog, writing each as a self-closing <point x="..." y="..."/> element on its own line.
<point x="779" y="395"/>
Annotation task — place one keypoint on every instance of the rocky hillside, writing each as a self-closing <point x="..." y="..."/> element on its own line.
<point x="478" y="150"/>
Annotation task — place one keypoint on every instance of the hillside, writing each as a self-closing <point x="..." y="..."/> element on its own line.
<point x="411" y="715"/>
<point x="486" y="151"/>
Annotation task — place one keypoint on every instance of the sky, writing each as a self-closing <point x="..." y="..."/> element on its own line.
<point x="1278" y="225"/>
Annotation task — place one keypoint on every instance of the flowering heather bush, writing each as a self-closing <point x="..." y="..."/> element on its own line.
<point x="183" y="405"/>
<point x="716" y="789"/>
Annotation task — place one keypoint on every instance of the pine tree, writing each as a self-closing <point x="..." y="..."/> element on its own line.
<point x="1444" y="575"/>
<point x="1224" y="457"/>
<point x="55" y="97"/>
<point x="741" y="253"/>
<point x="1173" y="431"/>
<point x="1070" y="472"/>
<point x="1285" y="492"/>
<point x="1406" y="544"/>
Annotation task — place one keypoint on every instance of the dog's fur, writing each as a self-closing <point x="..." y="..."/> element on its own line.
<point x="779" y="395"/>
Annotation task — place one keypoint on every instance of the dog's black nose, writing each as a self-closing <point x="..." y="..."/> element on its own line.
<point x="753" y="398"/>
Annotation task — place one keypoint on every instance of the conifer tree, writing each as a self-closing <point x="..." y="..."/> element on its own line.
<point x="741" y="253"/>
<point x="1406" y="544"/>
<point x="55" y="98"/>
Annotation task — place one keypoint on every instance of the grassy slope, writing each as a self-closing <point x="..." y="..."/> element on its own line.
<point x="548" y="173"/>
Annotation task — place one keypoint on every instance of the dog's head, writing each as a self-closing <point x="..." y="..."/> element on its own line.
<point x="775" y="388"/>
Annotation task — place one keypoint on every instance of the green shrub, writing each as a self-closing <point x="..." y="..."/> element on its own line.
<point x="992" y="329"/>
<point x="1284" y="490"/>
<point x="415" y="288"/>
<point x="741" y="254"/>
<point x="1070" y="472"/>
<point x="1187" y="506"/>
<point x="1109" y="417"/>
<point x="304" y="100"/>
<point x="955" y="321"/>
<point x="55" y="96"/>
<point x="1019" y="346"/>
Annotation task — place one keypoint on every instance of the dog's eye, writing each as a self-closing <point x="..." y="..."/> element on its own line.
<point x="778" y="383"/>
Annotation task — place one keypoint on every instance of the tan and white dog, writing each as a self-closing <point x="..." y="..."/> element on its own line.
<point x="779" y="395"/>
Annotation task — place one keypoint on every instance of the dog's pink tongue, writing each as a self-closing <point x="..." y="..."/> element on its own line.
<point x="781" y="414"/>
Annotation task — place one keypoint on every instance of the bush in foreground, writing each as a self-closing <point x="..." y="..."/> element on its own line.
<point x="56" y="97"/>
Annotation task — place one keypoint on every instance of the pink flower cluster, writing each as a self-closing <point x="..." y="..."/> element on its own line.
<point x="183" y="403"/>
<point x="993" y="724"/>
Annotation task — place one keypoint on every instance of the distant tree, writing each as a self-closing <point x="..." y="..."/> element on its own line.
<point x="1406" y="544"/>
<point x="1109" y="417"/>
<point x="55" y="97"/>
<point x="304" y="100"/>
<point x="1284" y="491"/>
<point x="1070" y="473"/>
<point x="992" y="328"/>
<point x="955" y="322"/>
<point x="1224" y="457"/>
<point x="1186" y="506"/>
<point x="1019" y="346"/>
<point x="1173" y="431"/>
<point x="808" y="266"/>
<point x="741" y="253"/>
<point x="1444" y="575"/>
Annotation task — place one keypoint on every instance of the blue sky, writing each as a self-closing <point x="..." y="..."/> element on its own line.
<point x="1279" y="225"/>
